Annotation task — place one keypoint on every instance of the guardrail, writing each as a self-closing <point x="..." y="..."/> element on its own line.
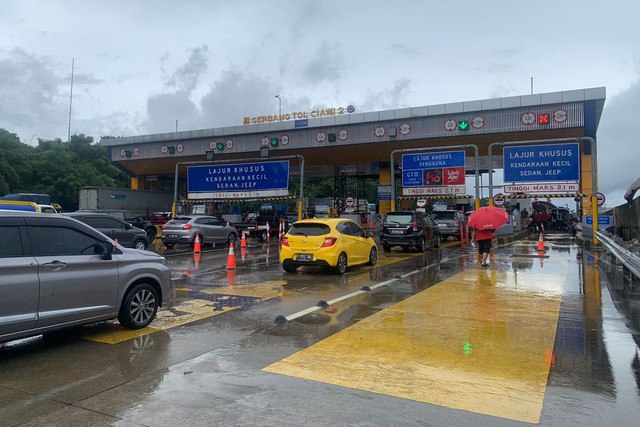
<point x="626" y="257"/>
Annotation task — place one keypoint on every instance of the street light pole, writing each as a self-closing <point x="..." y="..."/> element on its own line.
<point x="279" y="108"/>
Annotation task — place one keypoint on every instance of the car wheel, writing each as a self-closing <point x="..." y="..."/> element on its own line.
<point x="169" y="245"/>
<point x="373" y="256"/>
<point x="139" y="307"/>
<point x="386" y="248"/>
<point x="232" y="239"/>
<point x="341" y="265"/>
<point x="289" y="267"/>
<point x="422" y="245"/>
<point x="140" y="245"/>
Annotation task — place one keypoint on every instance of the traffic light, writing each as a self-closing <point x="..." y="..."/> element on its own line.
<point x="331" y="137"/>
<point x="209" y="154"/>
<point x="463" y="125"/>
<point x="127" y="153"/>
<point x="274" y="142"/>
<point x="219" y="146"/>
<point x="172" y="150"/>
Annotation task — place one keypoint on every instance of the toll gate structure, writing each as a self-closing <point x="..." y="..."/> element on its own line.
<point x="331" y="143"/>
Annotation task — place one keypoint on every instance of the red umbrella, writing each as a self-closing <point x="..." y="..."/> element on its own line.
<point x="488" y="218"/>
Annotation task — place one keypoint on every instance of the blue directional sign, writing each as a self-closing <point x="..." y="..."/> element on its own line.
<point x="602" y="220"/>
<point x="443" y="168"/>
<point x="242" y="180"/>
<point x="542" y="163"/>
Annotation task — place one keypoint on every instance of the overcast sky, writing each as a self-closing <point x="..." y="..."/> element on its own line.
<point x="142" y="65"/>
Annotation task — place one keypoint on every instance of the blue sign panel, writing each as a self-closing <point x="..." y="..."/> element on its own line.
<point x="302" y="123"/>
<point x="602" y="220"/>
<point x="239" y="178"/>
<point x="427" y="169"/>
<point x="542" y="163"/>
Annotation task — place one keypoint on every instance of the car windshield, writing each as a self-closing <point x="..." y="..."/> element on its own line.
<point x="443" y="215"/>
<point x="400" y="218"/>
<point x="309" y="229"/>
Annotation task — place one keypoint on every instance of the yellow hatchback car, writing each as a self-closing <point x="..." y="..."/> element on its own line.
<point x="335" y="243"/>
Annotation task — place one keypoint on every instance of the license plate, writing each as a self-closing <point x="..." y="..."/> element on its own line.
<point x="172" y="236"/>
<point x="396" y="231"/>
<point x="304" y="257"/>
<point x="442" y="225"/>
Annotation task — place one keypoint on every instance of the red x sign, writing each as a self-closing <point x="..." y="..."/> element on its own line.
<point x="543" y="119"/>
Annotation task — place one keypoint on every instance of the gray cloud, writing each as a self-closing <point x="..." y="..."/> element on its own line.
<point x="618" y="153"/>
<point x="187" y="77"/>
<point x="404" y="50"/>
<point x="386" y="99"/>
<point x="32" y="100"/>
<point x="326" y="64"/>
<point x="164" y="109"/>
<point x="235" y="95"/>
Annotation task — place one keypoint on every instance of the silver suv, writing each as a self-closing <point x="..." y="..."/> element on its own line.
<point x="56" y="272"/>
<point x="210" y="229"/>
<point x="450" y="222"/>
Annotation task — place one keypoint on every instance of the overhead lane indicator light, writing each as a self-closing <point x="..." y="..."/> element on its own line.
<point x="274" y="142"/>
<point x="463" y="125"/>
<point x="543" y="119"/>
<point x="219" y="146"/>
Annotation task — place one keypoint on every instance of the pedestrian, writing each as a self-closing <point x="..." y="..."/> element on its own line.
<point x="484" y="238"/>
<point x="539" y="218"/>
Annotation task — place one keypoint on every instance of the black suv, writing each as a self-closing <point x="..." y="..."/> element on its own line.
<point x="409" y="228"/>
<point x="126" y="234"/>
<point x="132" y="219"/>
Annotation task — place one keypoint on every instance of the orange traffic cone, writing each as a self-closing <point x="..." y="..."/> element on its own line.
<point x="541" y="243"/>
<point x="243" y="253"/>
<point x="243" y="241"/>
<point x="196" y="245"/>
<point x="541" y="257"/>
<point x="231" y="258"/>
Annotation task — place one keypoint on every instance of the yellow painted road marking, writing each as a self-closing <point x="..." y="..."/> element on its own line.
<point x="473" y="342"/>
<point x="263" y="290"/>
<point x="181" y="314"/>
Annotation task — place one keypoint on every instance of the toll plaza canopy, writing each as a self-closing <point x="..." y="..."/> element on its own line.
<point x="365" y="141"/>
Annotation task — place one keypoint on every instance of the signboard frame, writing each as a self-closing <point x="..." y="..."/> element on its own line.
<point x="434" y="172"/>
<point x="238" y="180"/>
<point x="541" y="163"/>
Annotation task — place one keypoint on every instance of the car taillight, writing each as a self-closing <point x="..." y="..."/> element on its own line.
<point x="414" y="224"/>
<point x="285" y="241"/>
<point x="382" y="224"/>
<point x="186" y="227"/>
<point x="329" y="241"/>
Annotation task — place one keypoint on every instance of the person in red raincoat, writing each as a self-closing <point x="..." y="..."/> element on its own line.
<point x="484" y="239"/>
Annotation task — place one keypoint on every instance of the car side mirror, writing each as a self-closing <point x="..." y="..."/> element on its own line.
<point x="369" y="234"/>
<point x="128" y="226"/>
<point x="108" y="252"/>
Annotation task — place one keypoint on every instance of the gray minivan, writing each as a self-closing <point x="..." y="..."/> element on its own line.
<point x="57" y="272"/>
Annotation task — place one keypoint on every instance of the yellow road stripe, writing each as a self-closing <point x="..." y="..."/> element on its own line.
<point x="476" y="341"/>
<point x="181" y="314"/>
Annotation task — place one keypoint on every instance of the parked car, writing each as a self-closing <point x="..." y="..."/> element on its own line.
<point x="409" y="229"/>
<point x="335" y="243"/>
<point x="449" y="222"/>
<point x="132" y="219"/>
<point x="185" y="228"/>
<point x="126" y="234"/>
<point x="160" y="218"/>
<point x="57" y="272"/>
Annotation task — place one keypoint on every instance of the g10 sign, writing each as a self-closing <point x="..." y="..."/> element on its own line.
<point x="433" y="169"/>
<point x="542" y="163"/>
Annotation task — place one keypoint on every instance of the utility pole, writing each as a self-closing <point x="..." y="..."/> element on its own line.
<point x="73" y="62"/>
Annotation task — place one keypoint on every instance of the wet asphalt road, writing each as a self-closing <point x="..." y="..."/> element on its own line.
<point x="216" y="356"/>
